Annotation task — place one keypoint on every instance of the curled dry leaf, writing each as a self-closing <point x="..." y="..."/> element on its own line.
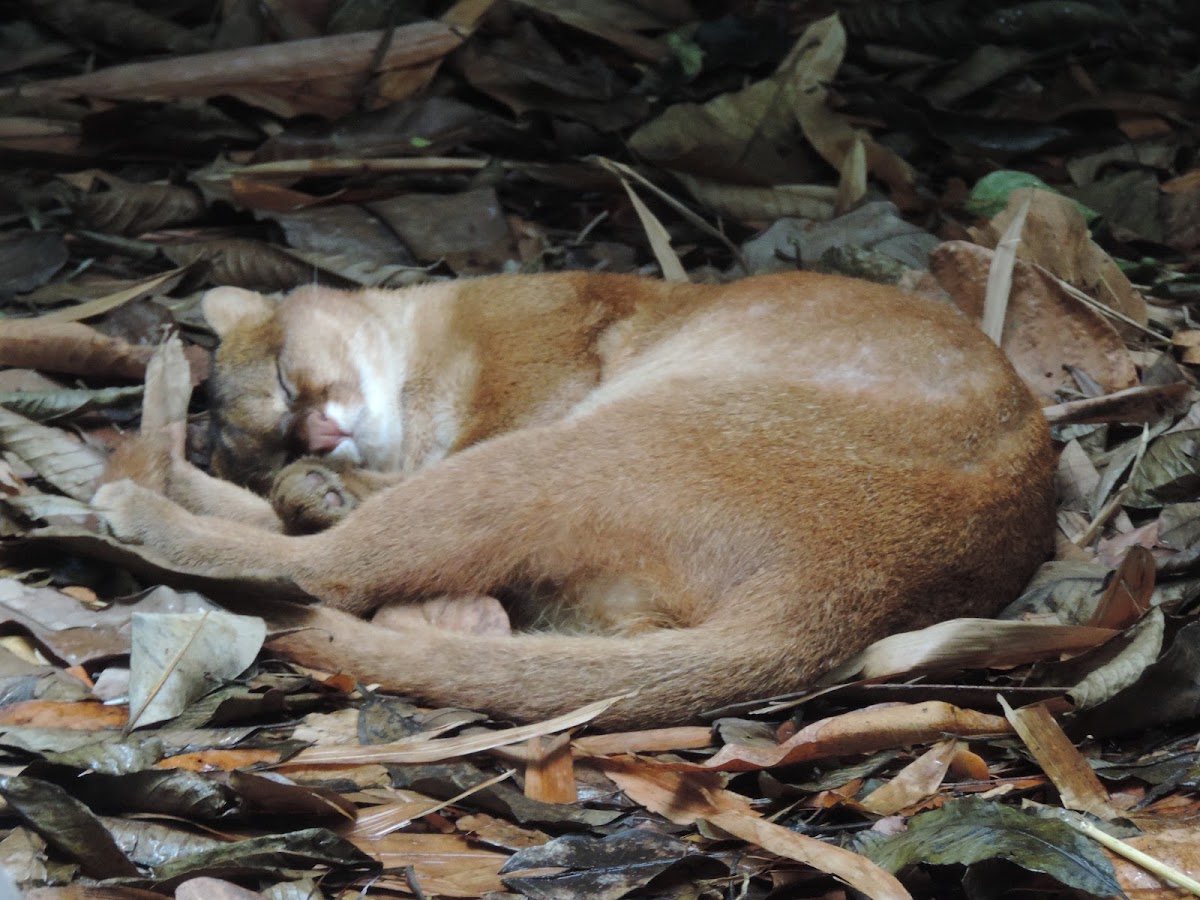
<point x="1045" y="330"/>
<point x="915" y="782"/>
<point x="861" y="731"/>
<point x="70" y="348"/>
<point x="970" y="644"/>
<point x="1113" y="672"/>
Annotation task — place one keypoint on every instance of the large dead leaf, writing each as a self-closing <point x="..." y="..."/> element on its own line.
<point x="176" y="658"/>
<point x="1056" y="237"/>
<point x="1045" y="331"/>
<point x="747" y="139"/>
<point x="320" y="75"/>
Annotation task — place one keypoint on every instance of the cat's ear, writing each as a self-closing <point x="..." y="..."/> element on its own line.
<point x="227" y="308"/>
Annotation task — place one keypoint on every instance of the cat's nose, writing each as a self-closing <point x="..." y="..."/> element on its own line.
<point x="320" y="433"/>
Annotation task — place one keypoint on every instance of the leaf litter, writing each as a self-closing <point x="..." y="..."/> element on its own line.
<point x="147" y="744"/>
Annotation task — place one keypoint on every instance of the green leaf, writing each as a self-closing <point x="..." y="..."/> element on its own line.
<point x="991" y="192"/>
<point x="689" y="54"/>
<point x="970" y="831"/>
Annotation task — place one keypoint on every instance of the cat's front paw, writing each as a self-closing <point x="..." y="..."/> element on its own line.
<point x="132" y="513"/>
<point x="310" y="496"/>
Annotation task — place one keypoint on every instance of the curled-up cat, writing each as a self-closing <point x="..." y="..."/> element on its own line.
<point x="694" y="494"/>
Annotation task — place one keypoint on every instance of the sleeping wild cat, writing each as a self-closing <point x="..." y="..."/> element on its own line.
<point x="698" y="494"/>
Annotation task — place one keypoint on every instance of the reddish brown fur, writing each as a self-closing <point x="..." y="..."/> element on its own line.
<point x="778" y="471"/>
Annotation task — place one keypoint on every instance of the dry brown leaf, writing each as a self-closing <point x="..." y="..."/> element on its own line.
<point x="130" y="208"/>
<point x="1045" y="329"/>
<point x="655" y="740"/>
<point x="1127" y="597"/>
<point x="443" y="864"/>
<point x="485" y="829"/>
<point x="686" y="797"/>
<point x="438" y="750"/>
<point x="82" y="716"/>
<point x="610" y="21"/>
<point x="734" y="138"/>
<point x="917" y="781"/>
<point x="70" y="348"/>
<point x="390" y="817"/>
<point x="970" y="644"/>
<point x="1078" y="786"/>
<point x="550" y="773"/>
<point x="323" y="75"/>
<point x="245" y="263"/>
<point x="763" y="204"/>
<point x="1056" y="237"/>
<point x="860" y="731"/>
<point x="92" y="308"/>
<point x="223" y="760"/>
<point x="660" y="240"/>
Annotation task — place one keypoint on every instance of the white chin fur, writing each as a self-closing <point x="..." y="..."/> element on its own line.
<point x="347" y="450"/>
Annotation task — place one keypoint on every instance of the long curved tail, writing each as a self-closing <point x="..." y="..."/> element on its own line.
<point x="672" y="674"/>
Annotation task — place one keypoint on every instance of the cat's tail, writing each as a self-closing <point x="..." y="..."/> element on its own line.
<point x="667" y="676"/>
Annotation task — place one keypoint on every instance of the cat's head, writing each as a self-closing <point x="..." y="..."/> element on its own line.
<point x="294" y="377"/>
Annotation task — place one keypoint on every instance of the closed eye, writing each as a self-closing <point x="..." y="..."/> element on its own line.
<point x="289" y="390"/>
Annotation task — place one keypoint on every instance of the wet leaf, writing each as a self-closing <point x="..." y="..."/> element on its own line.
<point x="271" y="854"/>
<point x="67" y="825"/>
<point x="968" y="831"/>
